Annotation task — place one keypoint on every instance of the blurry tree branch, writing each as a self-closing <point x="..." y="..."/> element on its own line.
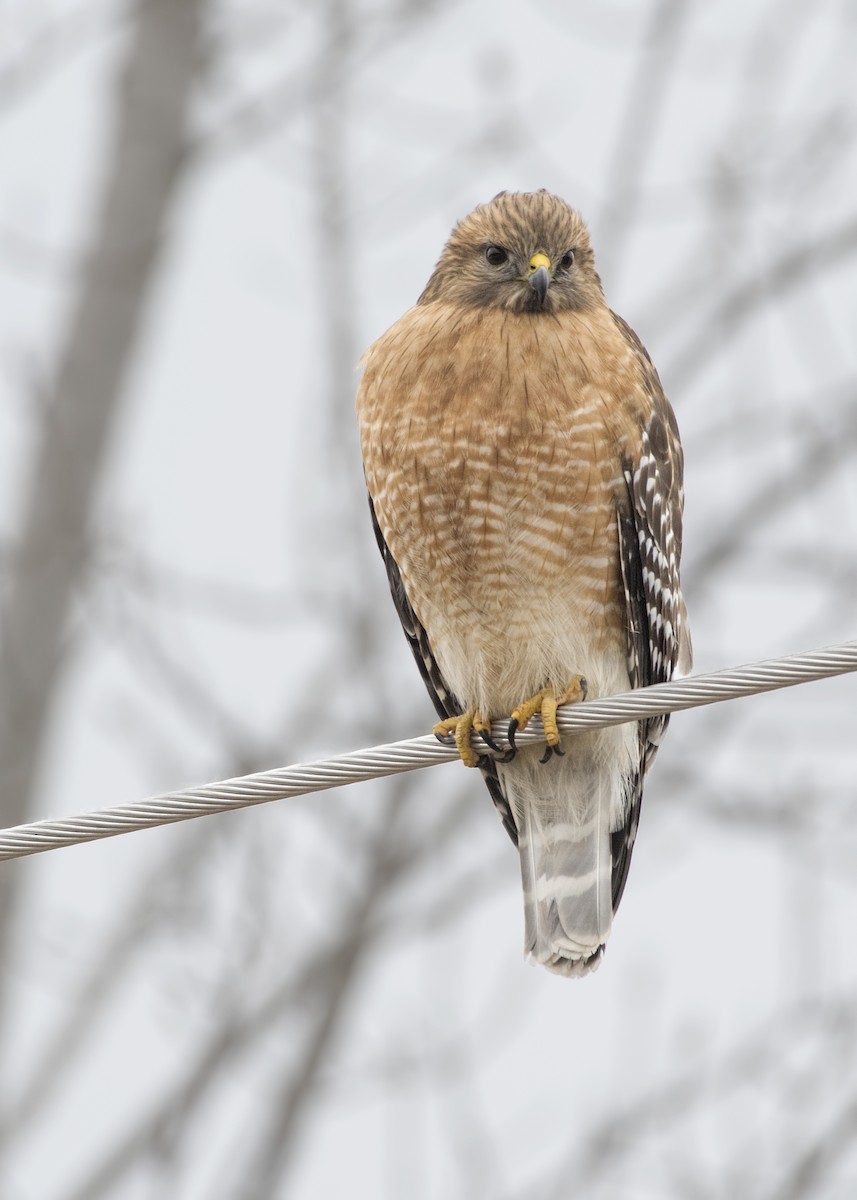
<point x="750" y="1059"/>
<point x="250" y="121"/>
<point x="806" y="1174"/>
<point x="317" y="984"/>
<point x="741" y="301"/>
<point x="50" y="555"/>
<point x="191" y="695"/>
<point x="642" y="113"/>
<point x="823" y="450"/>
<point x="132" y="929"/>
<point x="56" y="44"/>
<point x="226" y="599"/>
<point x="50" y="558"/>
<point x="275" y="1146"/>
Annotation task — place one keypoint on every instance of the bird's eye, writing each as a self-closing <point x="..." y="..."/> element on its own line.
<point x="566" y="260"/>
<point x="496" y="255"/>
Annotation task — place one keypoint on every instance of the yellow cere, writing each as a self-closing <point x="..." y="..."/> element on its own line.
<point x="540" y="260"/>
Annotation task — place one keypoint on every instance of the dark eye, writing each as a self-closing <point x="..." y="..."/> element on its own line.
<point x="496" y="255"/>
<point x="566" y="260"/>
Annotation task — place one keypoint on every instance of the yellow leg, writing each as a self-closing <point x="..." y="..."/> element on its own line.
<point x="573" y="694"/>
<point x="523" y="714"/>
<point x="545" y="703"/>
<point x="481" y="726"/>
<point x="461" y="728"/>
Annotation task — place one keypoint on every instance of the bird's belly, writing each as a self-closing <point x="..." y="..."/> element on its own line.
<point x="524" y="643"/>
<point x="515" y="576"/>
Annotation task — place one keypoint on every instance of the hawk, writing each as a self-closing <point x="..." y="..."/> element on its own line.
<point x="524" y="472"/>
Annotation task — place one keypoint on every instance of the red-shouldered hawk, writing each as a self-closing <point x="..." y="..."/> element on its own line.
<point x="525" y="479"/>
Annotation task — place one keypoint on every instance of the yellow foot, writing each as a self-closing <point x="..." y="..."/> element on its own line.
<point x="461" y="728"/>
<point x="545" y="703"/>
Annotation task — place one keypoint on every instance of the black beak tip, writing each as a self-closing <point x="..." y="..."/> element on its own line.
<point x="540" y="282"/>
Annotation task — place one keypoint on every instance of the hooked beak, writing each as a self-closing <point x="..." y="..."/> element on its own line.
<point x="538" y="276"/>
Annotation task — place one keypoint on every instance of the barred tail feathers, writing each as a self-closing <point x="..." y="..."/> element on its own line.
<point x="564" y="811"/>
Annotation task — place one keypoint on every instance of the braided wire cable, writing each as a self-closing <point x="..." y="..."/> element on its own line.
<point x="377" y="761"/>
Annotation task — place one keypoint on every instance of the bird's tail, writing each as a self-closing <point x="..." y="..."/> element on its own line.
<point x="563" y="810"/>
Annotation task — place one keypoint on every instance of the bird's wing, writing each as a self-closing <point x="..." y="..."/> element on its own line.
<point x="441" y="695"/>
<point x="650" y="531"/>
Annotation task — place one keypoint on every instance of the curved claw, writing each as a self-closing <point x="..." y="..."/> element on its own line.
<point x="513" y="729"/>
<point x="544" y="703"/>
<point x="550" y="751"/>
<point x="498" y="754"/>
<point x="485" y="734"/>
<point x="445" y="739"/>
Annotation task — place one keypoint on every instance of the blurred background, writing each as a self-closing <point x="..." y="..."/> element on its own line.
<point x="207" y="210"/>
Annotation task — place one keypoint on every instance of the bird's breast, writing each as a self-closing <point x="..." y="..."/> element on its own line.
<point x="495" y="483"/>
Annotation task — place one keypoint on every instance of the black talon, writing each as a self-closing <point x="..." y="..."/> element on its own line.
<point x="510" y="735"/>
<point x="549" y="751"/>
<point x="445" y="739"/>
<point x="499" y="755"/>
<point x="485" y="734"/>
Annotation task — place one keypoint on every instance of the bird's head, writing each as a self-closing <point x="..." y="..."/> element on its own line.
<point x="522" y="252"/>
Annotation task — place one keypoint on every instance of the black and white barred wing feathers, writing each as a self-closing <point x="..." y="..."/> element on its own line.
<point x="650" y="536"/>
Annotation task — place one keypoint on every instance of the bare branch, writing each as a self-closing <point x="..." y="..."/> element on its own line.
<point x="61" y="1051"/>
<point x="642" y="113"/>
<point x="823" y="451"/>
<point x="154" y="97"/>
<point x="743" y="300"/>
<point x="750" y="1058"/>
<point x="318" y="980"/>
<point x="58" y="44"/>
<point x="819" y="1158"/>
<point x="275" y="1146"/>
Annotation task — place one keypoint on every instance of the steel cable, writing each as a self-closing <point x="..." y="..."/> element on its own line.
<point x="377" y="761"/>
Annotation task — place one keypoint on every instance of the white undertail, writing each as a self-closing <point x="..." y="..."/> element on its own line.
<point x="564" y="810"/>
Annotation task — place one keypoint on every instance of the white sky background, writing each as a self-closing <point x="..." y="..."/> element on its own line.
<point x="233" y="538"/>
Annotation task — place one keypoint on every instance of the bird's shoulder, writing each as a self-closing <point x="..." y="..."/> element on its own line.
<point x="658" y="410"/>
